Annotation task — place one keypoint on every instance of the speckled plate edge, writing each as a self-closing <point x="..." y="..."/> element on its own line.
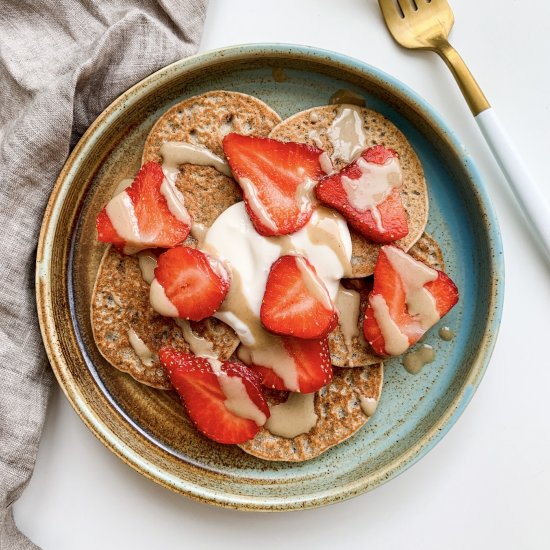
<point x="46" y="300"/>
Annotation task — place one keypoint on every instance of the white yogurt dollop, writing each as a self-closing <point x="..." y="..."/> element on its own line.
<point x="325" y="241"/>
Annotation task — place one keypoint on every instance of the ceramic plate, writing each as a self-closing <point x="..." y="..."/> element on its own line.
<point x="145" y="427"/>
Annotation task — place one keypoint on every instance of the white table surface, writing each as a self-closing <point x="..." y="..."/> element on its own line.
<point x="487" y="483"/>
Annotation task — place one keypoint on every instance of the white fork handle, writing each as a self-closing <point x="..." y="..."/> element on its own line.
<point x="529" y="196"/>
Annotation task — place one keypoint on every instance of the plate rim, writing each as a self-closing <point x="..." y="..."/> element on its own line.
<point x="110" y="439"/>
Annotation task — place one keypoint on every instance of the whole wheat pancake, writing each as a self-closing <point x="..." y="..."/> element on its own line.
<point x="121" y="297"/>
<point x="359" y="353"/>
<point x="339" y="416"/>
<point x="311" y="127"/>
<point x="120" y="303"/>
<point x="427" y="250"/>
<point x="337" y="405"/>
<point x="204" y="120"/>
<point x="120" y="300"/>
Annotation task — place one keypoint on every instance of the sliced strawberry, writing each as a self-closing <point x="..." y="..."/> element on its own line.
<point x="200" y="382"/>
<point x="312" y="361"/>
<point x="384" y="222"/>
<point x="106" y="233"/>
<point x="296" y="301"/>
<point x="144" y="218"/>
<point x="277" y="179"/>
<point x="194" y="282"/>
<point x="390" y="288"/>
<point x="269" y="379"/>
<point x="444" y="291"/>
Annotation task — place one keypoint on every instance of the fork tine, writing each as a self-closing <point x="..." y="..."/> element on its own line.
<point x="408" y="7"/>
<point x="390" y="10"/>
<point x="398" y="8"/>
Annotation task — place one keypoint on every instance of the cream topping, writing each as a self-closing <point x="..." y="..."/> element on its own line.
<point x="347" y="133"/>
<point x="313" y="284"/>
<point x="305" y="196"/>
<point x="415" y="361"/>
<point x="147" y="264"/>
<point x="175" y="153"/>
<point x="218" y="267"/>
<point x="175" y="200"/>
<point x="198" y="231"/>
<point x="270" y="352"/>
<point x="324" y="241"/>
<point x="256" y="204"/>
<point x="326" y="164"/>
<point x="146" y="356"/>
<point x="120" y="210"/>
<point x="238" y="313"/>
<point x="316" y="138"/>
<point x="160" y="302"/>
<point x="215" y="365"/>
<point x="348" y="303"/>
<point x="415" y="274"/>
<point x="200" y="346"/>
<point x="293" y="417"/>
<point x="122" y="185"/>
<point x="395" y="342"/>
<point x="368" y="404"/>
<point x="445" y="333"/>
<point x="328" y="229"/>
<point x="237" y="399"/>
<point x="314" y="116"/>
<point x="373" y="186"/>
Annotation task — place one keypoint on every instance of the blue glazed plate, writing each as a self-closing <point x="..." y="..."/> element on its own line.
<point x="415" y="411"/>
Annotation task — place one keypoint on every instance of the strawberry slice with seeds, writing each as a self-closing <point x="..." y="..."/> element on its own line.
<point x="194" y="283"/>
<point x="366" y="192"/>
<point x="147" y="214"/>
<point x="296" y="301"/>
<point x="407" y="298"/>
<point x="277" y="179"/>
<point x="312" y="362"/>
<point x="106" y="232"/>
<point x="223" y="399"/>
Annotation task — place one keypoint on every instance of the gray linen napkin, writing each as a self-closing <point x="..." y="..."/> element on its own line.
<point x="61" y="63"/>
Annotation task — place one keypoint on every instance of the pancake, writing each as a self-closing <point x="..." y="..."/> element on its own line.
<point x="311" y="127"/>
<point x="427" y="250"/>
<point x="357" y="352"/>
<point x="339" y="414"/>
<point x="204" y="120"/>
<point x="120" y="303"/>
<point x="337" y="405"/>
<point x="120" y="299"/>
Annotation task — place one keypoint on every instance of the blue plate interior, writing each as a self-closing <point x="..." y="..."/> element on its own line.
<point x="460" y="219"/>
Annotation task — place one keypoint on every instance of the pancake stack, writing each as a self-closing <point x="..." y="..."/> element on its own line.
<point x="120" y="303"/>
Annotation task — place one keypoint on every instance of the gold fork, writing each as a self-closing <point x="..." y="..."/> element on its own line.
<point x="425" y="25"/>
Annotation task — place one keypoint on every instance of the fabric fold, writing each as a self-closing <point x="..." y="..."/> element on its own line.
<point x="62" y="62"/>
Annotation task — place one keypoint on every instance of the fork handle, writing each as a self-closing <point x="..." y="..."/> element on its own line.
<point x="529" y="196"/>
<point x="470" y="89"/>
